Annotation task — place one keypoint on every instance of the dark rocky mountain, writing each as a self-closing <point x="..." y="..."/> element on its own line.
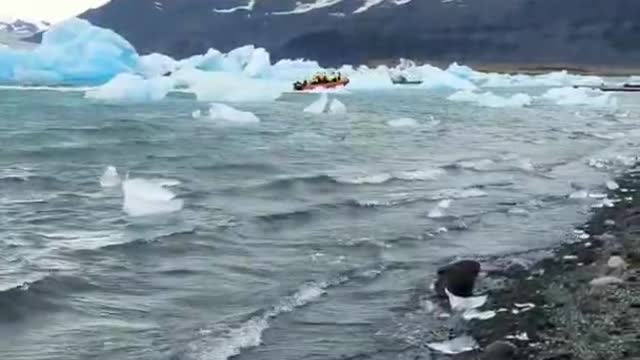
<point x="545" y="32"/>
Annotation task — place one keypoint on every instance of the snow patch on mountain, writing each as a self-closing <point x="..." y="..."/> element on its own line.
<point x="367" y="5"/>
<point x="248" y="7"/>
<point x="302" y="8"/>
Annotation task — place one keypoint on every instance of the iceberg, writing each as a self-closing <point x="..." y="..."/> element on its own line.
<point x="228" y="87"/>
<point x="144" y="197"/>
<point x="132" y="88"/>
<point x="72" y="52"/>
<point x="489" y="99"/>
<point x="230" y="115"/>
<point x="579" y="96"/>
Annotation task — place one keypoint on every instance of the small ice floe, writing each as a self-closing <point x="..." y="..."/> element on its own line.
<point x="196" y="114"/>
<point x="438" y="210"/>
<point x="569" y="258"/>
<point x="441" y="230"/>
<point x="579" y="194"/>
<point x="229" y="115"/>
<point x="612" y="185"/>
<point x="465" y="303"/>
<point x="144" y="197"/>
<point x="597" y="195"/>
<point x="110" y="177"/>
<point x="523" y="336"/>
<point x="605" y="280"/>
<point x="455" y="346"/>
<point x="402" y="122"/>
<point x="609" y="222"/>
<point x="479" y="315"/>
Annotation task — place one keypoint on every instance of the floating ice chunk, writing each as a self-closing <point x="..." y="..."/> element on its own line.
<point x="520" y="336"/>
<point x="110" y="178"/>
<point x="132" y="88"/>
<point x="579" y="96"/>
<point x="612" y="185"/>
<point x="455" y="346"/>
<point x="196" y="114"/>
<point x="580" y="194"/>
<point x="318" y="106"/>
<point x="228" y="114"/>
<point x="402" y="122"/>
<point x="228" y="87"/>
<point x="144" y="197"/>
<point x="489" y="99"/>
<point x="465" y="303"/>
<point x="337" y="107"/>
<point x="435" y="213"/>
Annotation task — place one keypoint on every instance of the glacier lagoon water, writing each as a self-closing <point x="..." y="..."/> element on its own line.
<point x="300" y="236"/>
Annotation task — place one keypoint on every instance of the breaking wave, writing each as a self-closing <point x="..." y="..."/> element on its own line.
<point x="223" y="340"/>
<point x="19" y="302"/>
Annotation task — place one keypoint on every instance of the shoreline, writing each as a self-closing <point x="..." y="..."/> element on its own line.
<point x="582" y="302"/>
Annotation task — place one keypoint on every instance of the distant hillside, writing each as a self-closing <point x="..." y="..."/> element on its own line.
<point x="590" y="32"/>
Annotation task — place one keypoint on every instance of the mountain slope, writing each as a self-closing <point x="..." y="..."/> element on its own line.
<point x="599" y="32"/>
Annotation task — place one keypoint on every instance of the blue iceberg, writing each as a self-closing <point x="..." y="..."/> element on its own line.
<point x="71" y="53"/>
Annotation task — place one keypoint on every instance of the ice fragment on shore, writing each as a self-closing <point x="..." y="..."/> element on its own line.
<point x="465" y="303"/>
<point x="480" y="315"/>
<point x="605" y="280"/>
<point x="455" y="346"/>
<point x="612" y="185"/>
<point x="523" y="336"/>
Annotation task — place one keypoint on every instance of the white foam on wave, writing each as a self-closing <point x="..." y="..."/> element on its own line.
<point x="364" y="179"/>
<point x="579" y="96"/>
<point x="110" y="177"/>
<point x="223" y="343"/>
<point x="459" y="194"/>
<point x="478" y="165"/>
<point x="403" y="122"/>
<point x="84" y="239"/>
<point x="489" y="99"/>
<point x="144" y="197"/>
<point x="425" y="174"/>
<point x="230" y="115"/>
